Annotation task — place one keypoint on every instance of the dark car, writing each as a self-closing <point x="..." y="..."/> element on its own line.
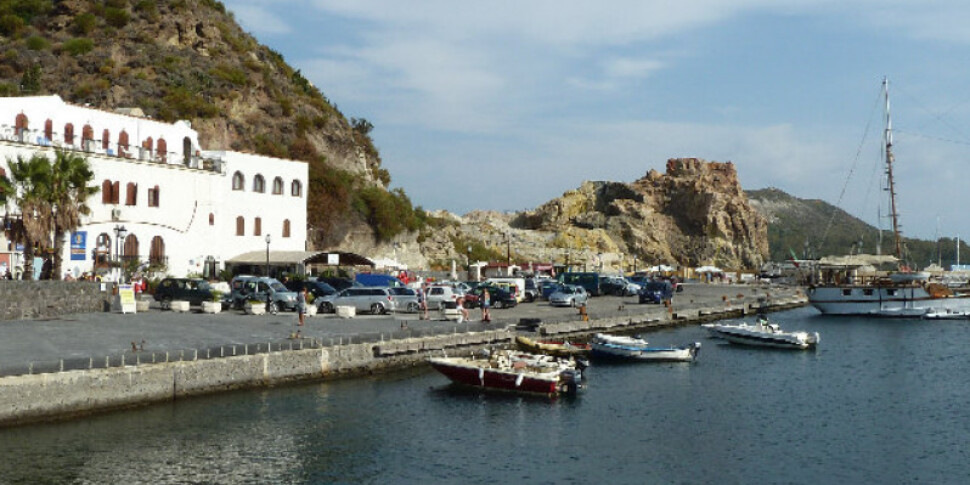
<point x="656" y="292"/>
<point x="313" y="287"/>
<point x="192" y="290"/>
<point x="339" y="284"/>
<point x="548" y="287"/>
<point x="497" y="298"/>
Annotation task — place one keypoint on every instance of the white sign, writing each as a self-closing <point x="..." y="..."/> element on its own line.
<point x="126" y="295"/>
<point x="333" y="259"/>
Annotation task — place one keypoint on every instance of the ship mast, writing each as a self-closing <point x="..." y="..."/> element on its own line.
<point x="888" y="139"/>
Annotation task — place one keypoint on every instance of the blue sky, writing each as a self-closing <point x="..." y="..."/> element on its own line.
<point x="504" y="105"/>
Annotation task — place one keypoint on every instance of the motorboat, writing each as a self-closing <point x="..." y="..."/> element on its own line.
<point x="514" y="371"/>
<point x="763" y="334"/>
<point x="946" y="314"/>
<point x="635" y="348"/>
<point x="559" y="348"/>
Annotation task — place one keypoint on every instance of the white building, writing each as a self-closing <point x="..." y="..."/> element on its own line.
<point x="179" y="208"/>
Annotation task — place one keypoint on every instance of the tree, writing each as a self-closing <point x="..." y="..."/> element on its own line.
<point x="27" y="183"/>
<point x="68" y="194"/>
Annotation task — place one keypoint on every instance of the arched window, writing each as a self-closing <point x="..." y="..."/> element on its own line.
<point x="296" y="189"/>
<point x="69" y="134"/>
<point x="115" y="192"/>
<point x="123" y="144"/>
<point x="87" y="135"/>
<point x="130" y="250"/>
<point x="106" y="140"/>
<point x="106" y="192"/>
<point x="162" y="149"/>
<point x="102" y="251"/>
<point x="278" y="186"/>
<point x="240" y="226"/>
<point x="49" y="130"/>
<point x="153" y="197"/>
<point x="146" y="147"/>
<point x="131" y="197"/>
<point x="20" y="123"/>
<point x="156" y="254"/>
<point x="186" y="150"/>
<point x="258" y="227"/>
<point x="238" y="181"/>
<point x="259" y="184"/>
<point x="286" y="228"/>
<point x="212" y="219"/>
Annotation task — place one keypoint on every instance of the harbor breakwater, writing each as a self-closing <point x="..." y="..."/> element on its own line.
<point x="56" y="395"/>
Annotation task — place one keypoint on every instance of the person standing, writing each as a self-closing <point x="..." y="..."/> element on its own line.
<point x="301" y="305"/>
<point x="423" y="301"/>
<point x="486" y="316"/>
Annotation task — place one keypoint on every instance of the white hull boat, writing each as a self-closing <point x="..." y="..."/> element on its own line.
<point x="946" y="315"/>
<point x="879" y="301"/>
<point x="632" y="348"/>
<point x="763" y="334"/>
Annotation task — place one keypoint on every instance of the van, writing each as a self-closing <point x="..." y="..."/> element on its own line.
<point x="371" y="279"/>
<point x="193" y="290"/>
<point x="375" y="299"/>
<point x="589" y="281"/>
<point x="516" y="286"/>
<point x="260" y="288"/>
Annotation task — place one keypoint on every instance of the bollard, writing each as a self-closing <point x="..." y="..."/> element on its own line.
<point x="181" y="356"/>
<point x="246" y="349"/>
<point x="137" y="359"/>
<point x="166" y="356"/>
<point x="30" y="368"/>
<point x="208" y="355"/>
<point x="91" y="363"/>
<point x="195" y="355"/>
<point x="107" y="361"/>
<point x="222" y="351"/>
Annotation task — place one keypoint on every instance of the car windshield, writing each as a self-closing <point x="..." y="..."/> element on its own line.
<point x="277" y="286"/>
<point x="567" y="289"/>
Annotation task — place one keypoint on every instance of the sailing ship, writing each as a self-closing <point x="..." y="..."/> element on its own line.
<point x="845" y="290"/>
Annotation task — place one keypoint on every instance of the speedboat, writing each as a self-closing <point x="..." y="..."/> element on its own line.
<point x="634" y="348"/>
<point x="514" y="371"/>
<point x="763" y="334"/>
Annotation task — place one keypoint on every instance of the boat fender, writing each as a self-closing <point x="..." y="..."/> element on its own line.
<point x="481" y="376"/>
<point x="519" y="379"/>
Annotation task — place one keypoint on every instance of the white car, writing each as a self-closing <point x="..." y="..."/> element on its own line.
<point x="569" y="295"/>
<point x="437" y="294"/>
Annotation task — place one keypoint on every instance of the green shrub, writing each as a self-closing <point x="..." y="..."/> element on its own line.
<point x="148" y="10"/>
<point x="85" y="23"/>
<point x="116" y="17"/>
<point x="37" y="43"/>
<point x="10" y="24"/>
<point x="7" y="89"/>
<point x="78" y="46"/>
<point x="230" y="74"/>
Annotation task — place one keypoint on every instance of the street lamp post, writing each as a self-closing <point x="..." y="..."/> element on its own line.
<point x="120" y="234"/>
<point x="267" y="271"/>
<point x="508" y="253"/>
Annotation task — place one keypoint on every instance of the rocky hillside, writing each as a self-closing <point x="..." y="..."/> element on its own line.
<point x="694" y="214"/>
<point x="188" y="59"/>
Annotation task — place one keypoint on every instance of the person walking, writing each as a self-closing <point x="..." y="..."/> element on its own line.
<point x="486" y="316"/>
<point x="461" y="306"/>
<point x="423" y="302"/>
<point x="301" y="305"/>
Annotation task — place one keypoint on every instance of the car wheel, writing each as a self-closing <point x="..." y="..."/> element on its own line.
<point x="377" y="309"/>
<point x="413" y="307"/>
<point x="500" y="304"/>
<point x="166" y="303"/>
<point x="277" y="307"/>
<point x="325" y="307"/>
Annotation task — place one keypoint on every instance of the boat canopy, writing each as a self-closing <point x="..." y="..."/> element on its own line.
<point x="858" y="260"/>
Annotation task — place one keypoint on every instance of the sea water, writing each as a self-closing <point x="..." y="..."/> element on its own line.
<point x="879" y="401"/>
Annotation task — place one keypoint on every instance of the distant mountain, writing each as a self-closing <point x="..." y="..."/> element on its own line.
<point x="814" y="228"/>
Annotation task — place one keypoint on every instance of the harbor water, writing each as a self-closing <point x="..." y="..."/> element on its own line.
<point x="878" y="402"/>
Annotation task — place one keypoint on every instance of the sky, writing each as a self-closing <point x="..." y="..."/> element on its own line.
<point x="504" y="105"/>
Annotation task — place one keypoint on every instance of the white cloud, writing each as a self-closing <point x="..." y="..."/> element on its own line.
<point x="260" y="18"/>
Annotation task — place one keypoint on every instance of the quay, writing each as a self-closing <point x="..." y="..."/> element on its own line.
<point x="78" y="364"/>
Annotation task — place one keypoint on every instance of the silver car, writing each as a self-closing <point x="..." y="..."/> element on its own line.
<point x="405" y="298"/>
<point x="377" y="300"/>
<point x="569" y="295"/>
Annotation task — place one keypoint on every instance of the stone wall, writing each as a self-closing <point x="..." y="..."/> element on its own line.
<point x="23" y="300"/>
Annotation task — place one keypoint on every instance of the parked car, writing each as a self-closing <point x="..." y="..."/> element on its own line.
<point x="371" y="279"/>
<point x="618" y="286"/>
<point x="437" y="294"/>
<point x="405" y="299"/>
<point x="338" y="283"/>
<point x="656" y="292"/>
<point x="569" y="295"/>
<point x="531" y="292"/>
<point x="497" y="297"/>
<point x="193" y="290"/>
<point x="377" y="300"/>
<point x="548" y="287"/>
<point x="313" y="287"/>
<point x="589" y="281"/>
<point x="260" y="288"/>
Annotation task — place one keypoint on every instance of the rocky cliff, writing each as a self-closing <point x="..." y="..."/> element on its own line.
<point x="694" y="214"/>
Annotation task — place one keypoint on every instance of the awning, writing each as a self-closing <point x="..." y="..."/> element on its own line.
<point x="333" y="258"/>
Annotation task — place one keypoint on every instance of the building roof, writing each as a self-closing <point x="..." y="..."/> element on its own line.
<point x="305" y="257"/>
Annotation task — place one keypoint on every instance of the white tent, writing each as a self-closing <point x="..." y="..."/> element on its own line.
<point x="708" y="269"/>
<point x="661" y="268"/>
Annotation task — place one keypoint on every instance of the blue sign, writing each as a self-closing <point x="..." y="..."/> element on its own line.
<point x="79" y="242"/>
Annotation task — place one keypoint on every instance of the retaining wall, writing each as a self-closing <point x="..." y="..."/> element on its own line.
<point x="29" y="398"/>
<point x="24" y="300"/>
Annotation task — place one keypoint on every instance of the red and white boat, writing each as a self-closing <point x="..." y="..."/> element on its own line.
<point x="514" y="371"/>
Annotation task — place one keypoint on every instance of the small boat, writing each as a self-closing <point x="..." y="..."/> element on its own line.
<point x="514" y="371"/>
<point x="763" y="334"/>
<point x="946" y="314"/>
<point x="559" y="348"/>
<point x="634" y="348"/>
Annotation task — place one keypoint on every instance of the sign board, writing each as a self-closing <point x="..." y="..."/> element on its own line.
<point x="126" y="295"/>
<point x="333" y="259"/>
<point x="79" y="242"/>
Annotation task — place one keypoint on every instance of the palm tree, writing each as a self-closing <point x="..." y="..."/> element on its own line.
<point x="68" y="193"/>
<point x="27" y="189"/>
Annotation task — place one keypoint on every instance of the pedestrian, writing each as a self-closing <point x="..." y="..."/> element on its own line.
<point x="486" y="316"/>
<point x="423" y="302"/>
<point x="461" y="306"/>
<point x="301" y="305"/>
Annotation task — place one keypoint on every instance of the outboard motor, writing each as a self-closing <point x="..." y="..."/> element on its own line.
<point x="570" y="381"/>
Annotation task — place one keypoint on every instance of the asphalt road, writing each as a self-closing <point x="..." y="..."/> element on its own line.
<point x="93" y="336"/>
